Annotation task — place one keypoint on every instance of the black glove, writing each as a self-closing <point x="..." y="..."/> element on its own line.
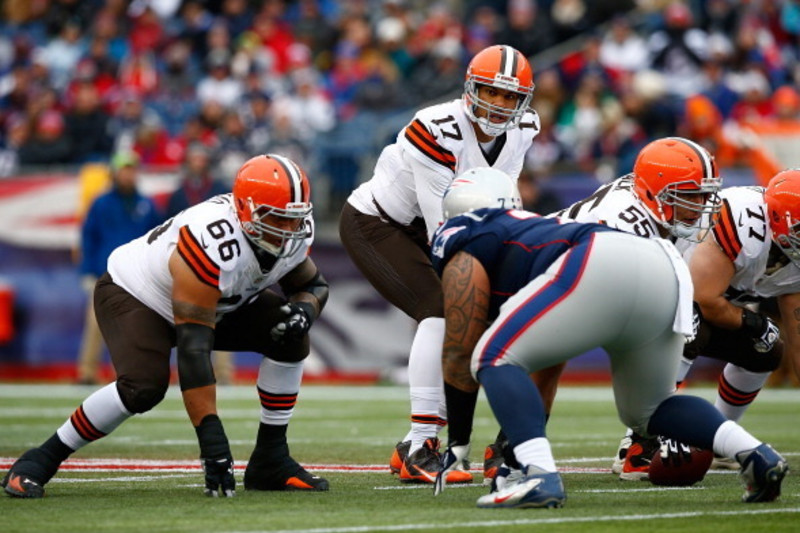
<point x="219" y="477"/>
<point x="697" y="319"/>
<point x="764" y="331"/>
<point x="674" y="453"/>
<point x="295" y="324"/>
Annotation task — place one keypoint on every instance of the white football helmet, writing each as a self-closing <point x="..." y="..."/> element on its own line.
<point x="478" y="188"/>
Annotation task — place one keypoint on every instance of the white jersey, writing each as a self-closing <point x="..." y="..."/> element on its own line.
<point x="617" y="206"/>
<point x="442" y="141"/>
<point x="744" y="235"/>
<point x="208" y="237"/>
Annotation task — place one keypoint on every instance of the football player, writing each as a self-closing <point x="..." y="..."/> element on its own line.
<point x="516" y="284"/>
<point x="199" y="282"/>
<point x="672" y="193"/>
<point x="753" y="256"/>
<point x="387" y="222"/>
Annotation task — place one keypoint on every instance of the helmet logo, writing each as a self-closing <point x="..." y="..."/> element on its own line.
<point x="506" y="82"/>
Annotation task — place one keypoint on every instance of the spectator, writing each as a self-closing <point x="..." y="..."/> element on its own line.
<point x="307" y="107"/>
<point x="257" y="108"/>
<point x="527" y="29"/>
<point x="441" y="75"/>
<point x="622" y="48"/>
<point x="218" y="85"/>
<point x="87" y="126"/>
<point x="679" y="50"/>
<point x="114" y="218"/>
<point x="197" y="183"/>
<point x="48" y="145"/>
<point x="62" y="54"/>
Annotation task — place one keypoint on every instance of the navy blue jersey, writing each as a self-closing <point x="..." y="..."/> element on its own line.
<point x="513" y="246"/>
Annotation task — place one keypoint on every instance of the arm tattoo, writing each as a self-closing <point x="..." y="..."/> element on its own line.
<point x="466" y="311"/>
<point x="193" y="313"/>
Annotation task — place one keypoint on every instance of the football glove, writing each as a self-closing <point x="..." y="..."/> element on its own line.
<point x="294" y="325"/>
<point x="674" y="453"/>
<point x="219" y="477"/>
<point x="452" y="457"/>
<point x="764" y="331"/>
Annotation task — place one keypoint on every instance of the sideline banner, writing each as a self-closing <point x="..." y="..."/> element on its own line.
<point x="359" y="334"/>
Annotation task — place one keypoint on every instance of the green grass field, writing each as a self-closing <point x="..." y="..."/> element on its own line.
<point x="335" y="427"/>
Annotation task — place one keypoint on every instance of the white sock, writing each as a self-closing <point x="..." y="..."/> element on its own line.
<point x="278" y="384"/>
<point x="737" y="389"/>
<point x="731" y="438"/>
<point x="425" y="382"/>
<point x="99" y="414"/>
<point x="536" y="452"/>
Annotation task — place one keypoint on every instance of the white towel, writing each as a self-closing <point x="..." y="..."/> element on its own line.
<point x="683" y="311"/>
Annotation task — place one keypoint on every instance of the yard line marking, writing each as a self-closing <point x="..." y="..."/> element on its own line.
<point x="155" y="465"/>
<point x="530" y="521"/>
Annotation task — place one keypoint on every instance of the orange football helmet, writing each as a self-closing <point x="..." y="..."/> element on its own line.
<point x="272" y="199"/>
<point x="676" y="173"/>
<point x="502" y="67"/>
<point x="782" y="197"/>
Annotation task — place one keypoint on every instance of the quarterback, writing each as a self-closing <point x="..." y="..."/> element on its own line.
<point x="387" y="223"/>
<point x="199" y="282"/>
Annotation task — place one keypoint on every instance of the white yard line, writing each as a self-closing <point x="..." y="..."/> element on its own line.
<point x="537" y="520"/>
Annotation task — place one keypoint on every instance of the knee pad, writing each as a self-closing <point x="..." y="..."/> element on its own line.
<point x="764" y="362"/>
<point x="140" y="398"/>
<point x="291" y="352"/>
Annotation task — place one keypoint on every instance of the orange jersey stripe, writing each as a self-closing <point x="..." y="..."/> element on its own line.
<point x="421" y="138"/>
<point x="725" y="232"/>
<point x="203" y="267"/>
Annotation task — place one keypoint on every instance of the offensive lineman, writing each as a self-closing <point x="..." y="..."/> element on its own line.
<point x="387" y="223"/>
<point x="200" y="282"/>
<point x="754" y="255"/>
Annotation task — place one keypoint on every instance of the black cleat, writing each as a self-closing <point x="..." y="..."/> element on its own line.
<point x="284" y="474"/>
<point x="29" y="474"/>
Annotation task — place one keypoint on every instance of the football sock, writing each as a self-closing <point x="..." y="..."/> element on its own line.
<point x="731" y="438"/>
<point x="536" y="452"/>
<point x="99" y="414"/>
<point x="278" y="384"/>
<point x="737" y="389"/>
<point x="425" y="382"/>
<point x="515" y="401"/>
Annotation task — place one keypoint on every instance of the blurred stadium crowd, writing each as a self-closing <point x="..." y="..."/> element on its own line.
<point x="329" y="83"/>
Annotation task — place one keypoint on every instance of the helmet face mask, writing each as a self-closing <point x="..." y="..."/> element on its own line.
<point x="502" y="68"/>
<point x="782" y="197"/>
<point x="677" y="181"/>
<point x="693" y="211"/>
<point x="271" y="195"/>
<point x="478" y="188"/>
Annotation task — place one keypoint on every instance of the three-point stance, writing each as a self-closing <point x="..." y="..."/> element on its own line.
<point x="200" y="282"/>
<point x="549" y="291"/>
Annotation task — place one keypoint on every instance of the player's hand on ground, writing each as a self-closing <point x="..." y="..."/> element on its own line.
<point x="219" y="477"/>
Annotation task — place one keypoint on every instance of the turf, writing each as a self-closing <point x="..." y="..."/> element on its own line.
<point x="358" y="426"/>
